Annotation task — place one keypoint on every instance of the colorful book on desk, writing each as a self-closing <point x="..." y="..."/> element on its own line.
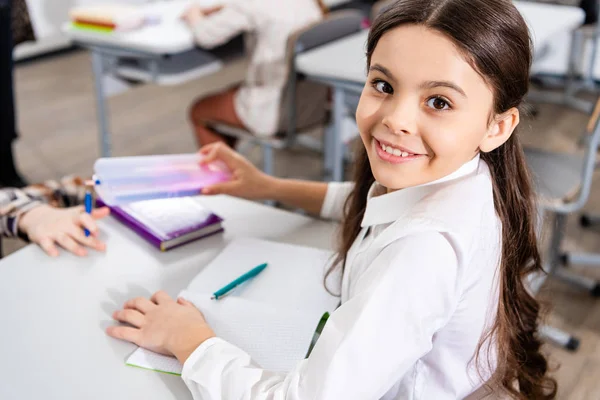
<point x="168" y="223"/>
<point x="273" y="317"/>
<point x="107" y="17"/>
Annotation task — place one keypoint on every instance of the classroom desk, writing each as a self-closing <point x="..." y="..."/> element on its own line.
<point x="163" y="53"/>
<point x="54" y="311"/>
<point x="342" y="64"/>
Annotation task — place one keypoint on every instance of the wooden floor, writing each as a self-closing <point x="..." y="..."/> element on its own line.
<point x="55" y="103"/>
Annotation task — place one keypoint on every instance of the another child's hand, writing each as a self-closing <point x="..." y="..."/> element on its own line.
<point x="48" y="227"/>
<point x="192" y="15"/>
<point x="195" y="13"/>
<point x="162" y="325"/>
<point x="247" y="181"/>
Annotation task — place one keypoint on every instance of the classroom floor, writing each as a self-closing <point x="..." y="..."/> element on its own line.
<point x="58" y="137"/>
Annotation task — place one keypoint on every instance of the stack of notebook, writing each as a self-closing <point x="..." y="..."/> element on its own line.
<point x="107" y="17"/>
<point x="168" y="223"/>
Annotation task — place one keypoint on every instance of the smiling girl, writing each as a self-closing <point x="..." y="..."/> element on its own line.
<point x="437" y="229"/>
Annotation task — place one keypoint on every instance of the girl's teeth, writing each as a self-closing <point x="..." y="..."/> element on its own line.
<point x="395" y="152"/>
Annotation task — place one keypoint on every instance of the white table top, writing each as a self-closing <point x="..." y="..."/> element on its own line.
<point x="170" y="36"/>
<point x="344" y="59"/>
<point x="54" y="311"/>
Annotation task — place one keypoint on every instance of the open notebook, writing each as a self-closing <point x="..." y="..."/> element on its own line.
<point x="273" y="317"/>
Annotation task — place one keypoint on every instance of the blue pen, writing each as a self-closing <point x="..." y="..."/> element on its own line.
<point x="247" y="276"/>
<point x="88" y="206"/>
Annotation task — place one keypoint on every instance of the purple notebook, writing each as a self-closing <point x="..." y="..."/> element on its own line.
<point x="168" y="223"/>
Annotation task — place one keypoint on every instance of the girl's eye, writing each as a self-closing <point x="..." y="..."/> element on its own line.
<point x="438" y="103"/>
<point x="383" y="87"/>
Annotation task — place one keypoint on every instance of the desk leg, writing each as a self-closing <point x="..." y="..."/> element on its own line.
<point x="101" y="109"/>
<point x="337" y="151"/>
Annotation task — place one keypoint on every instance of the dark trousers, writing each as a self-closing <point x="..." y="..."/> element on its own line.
<point x="8" y="130"/>
<point x="591" y="10"/>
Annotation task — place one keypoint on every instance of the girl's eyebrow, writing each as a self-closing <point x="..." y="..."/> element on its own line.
<point x="424" y="85"/>
<point x="383" y="70"/>
<point x="446" y="84"/>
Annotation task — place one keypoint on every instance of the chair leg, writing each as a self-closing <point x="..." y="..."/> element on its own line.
<point x="267" y="159"/>
<point x="561" y="338"/>
<point x="328" y="136"/>
<point x="550" y="264"/>
<point x="268" y="167"/>
<point x="591" y="285"/>
<point x="588" y="259"/>
<point x="589" y="220"/>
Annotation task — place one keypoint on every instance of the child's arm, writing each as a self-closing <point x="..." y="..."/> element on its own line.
<point x="216" y="26"/>
<point x="369" y="344"/>
<point x="250" y="183"/>
<point x="14" y="203"/>
<point x="31" y="215"/>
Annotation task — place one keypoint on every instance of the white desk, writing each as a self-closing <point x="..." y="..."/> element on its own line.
<point x="165" y="54"/>
<point x="342" y="64"/>
<point x="54" y="311"/>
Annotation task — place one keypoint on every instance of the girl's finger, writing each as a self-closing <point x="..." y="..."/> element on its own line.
<point x="132" y="317"/>
<point x="221" y="188"/>
<point x="68" y="243"/>
<point x="48" y="246"/>
<point x="209" y="152"/>
<point x="127" y="333"/>
<point x="184" y="302"/>
<point x="141" y="304"/>
<point x="161" y="297"/>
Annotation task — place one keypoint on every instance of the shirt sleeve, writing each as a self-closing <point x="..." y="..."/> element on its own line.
<point x="335" y="199"/>
<point x="13" y="204"/>
<point x="221" y="26"/>
<point x="68" y="192"/>
<point x="369" y="343"/>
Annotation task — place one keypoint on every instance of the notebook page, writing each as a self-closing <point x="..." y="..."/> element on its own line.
<point x="293" y="279"/>
<point x="165" y="216"/>
<point x="147" y="359"/>
<point x="273" y="316"/>
<point x="275" y="339"/>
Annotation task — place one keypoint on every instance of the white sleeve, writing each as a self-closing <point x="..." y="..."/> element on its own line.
<point x="369" y="343"/>
<point x="335" y="199"/>
<point x="220" y="27"/>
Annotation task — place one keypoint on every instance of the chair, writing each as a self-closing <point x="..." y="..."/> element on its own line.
<point x="563" y="182"/>
<point x="303" y="108"/>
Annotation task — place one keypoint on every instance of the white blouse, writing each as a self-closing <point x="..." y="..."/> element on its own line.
<point x="268" y="24"/>
<point x="419" y="291"/>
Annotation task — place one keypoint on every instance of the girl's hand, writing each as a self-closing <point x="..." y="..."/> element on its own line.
<point x="48" y="227"/>
<point x="247" y="181"/>
<point x="162" y="325"/>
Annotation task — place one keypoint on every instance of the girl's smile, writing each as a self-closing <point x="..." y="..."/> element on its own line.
<point x="395" y="154"/>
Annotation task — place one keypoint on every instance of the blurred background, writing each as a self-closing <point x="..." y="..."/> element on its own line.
<point x="83" y="92"/>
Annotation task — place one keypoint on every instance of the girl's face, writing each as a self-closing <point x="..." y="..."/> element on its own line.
<point x="424" y="110"/>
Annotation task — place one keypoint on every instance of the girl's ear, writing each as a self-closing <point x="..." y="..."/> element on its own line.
<point x="500" y="130"/>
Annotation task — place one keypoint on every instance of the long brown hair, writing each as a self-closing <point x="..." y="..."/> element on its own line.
<point x="494" y="39"/>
